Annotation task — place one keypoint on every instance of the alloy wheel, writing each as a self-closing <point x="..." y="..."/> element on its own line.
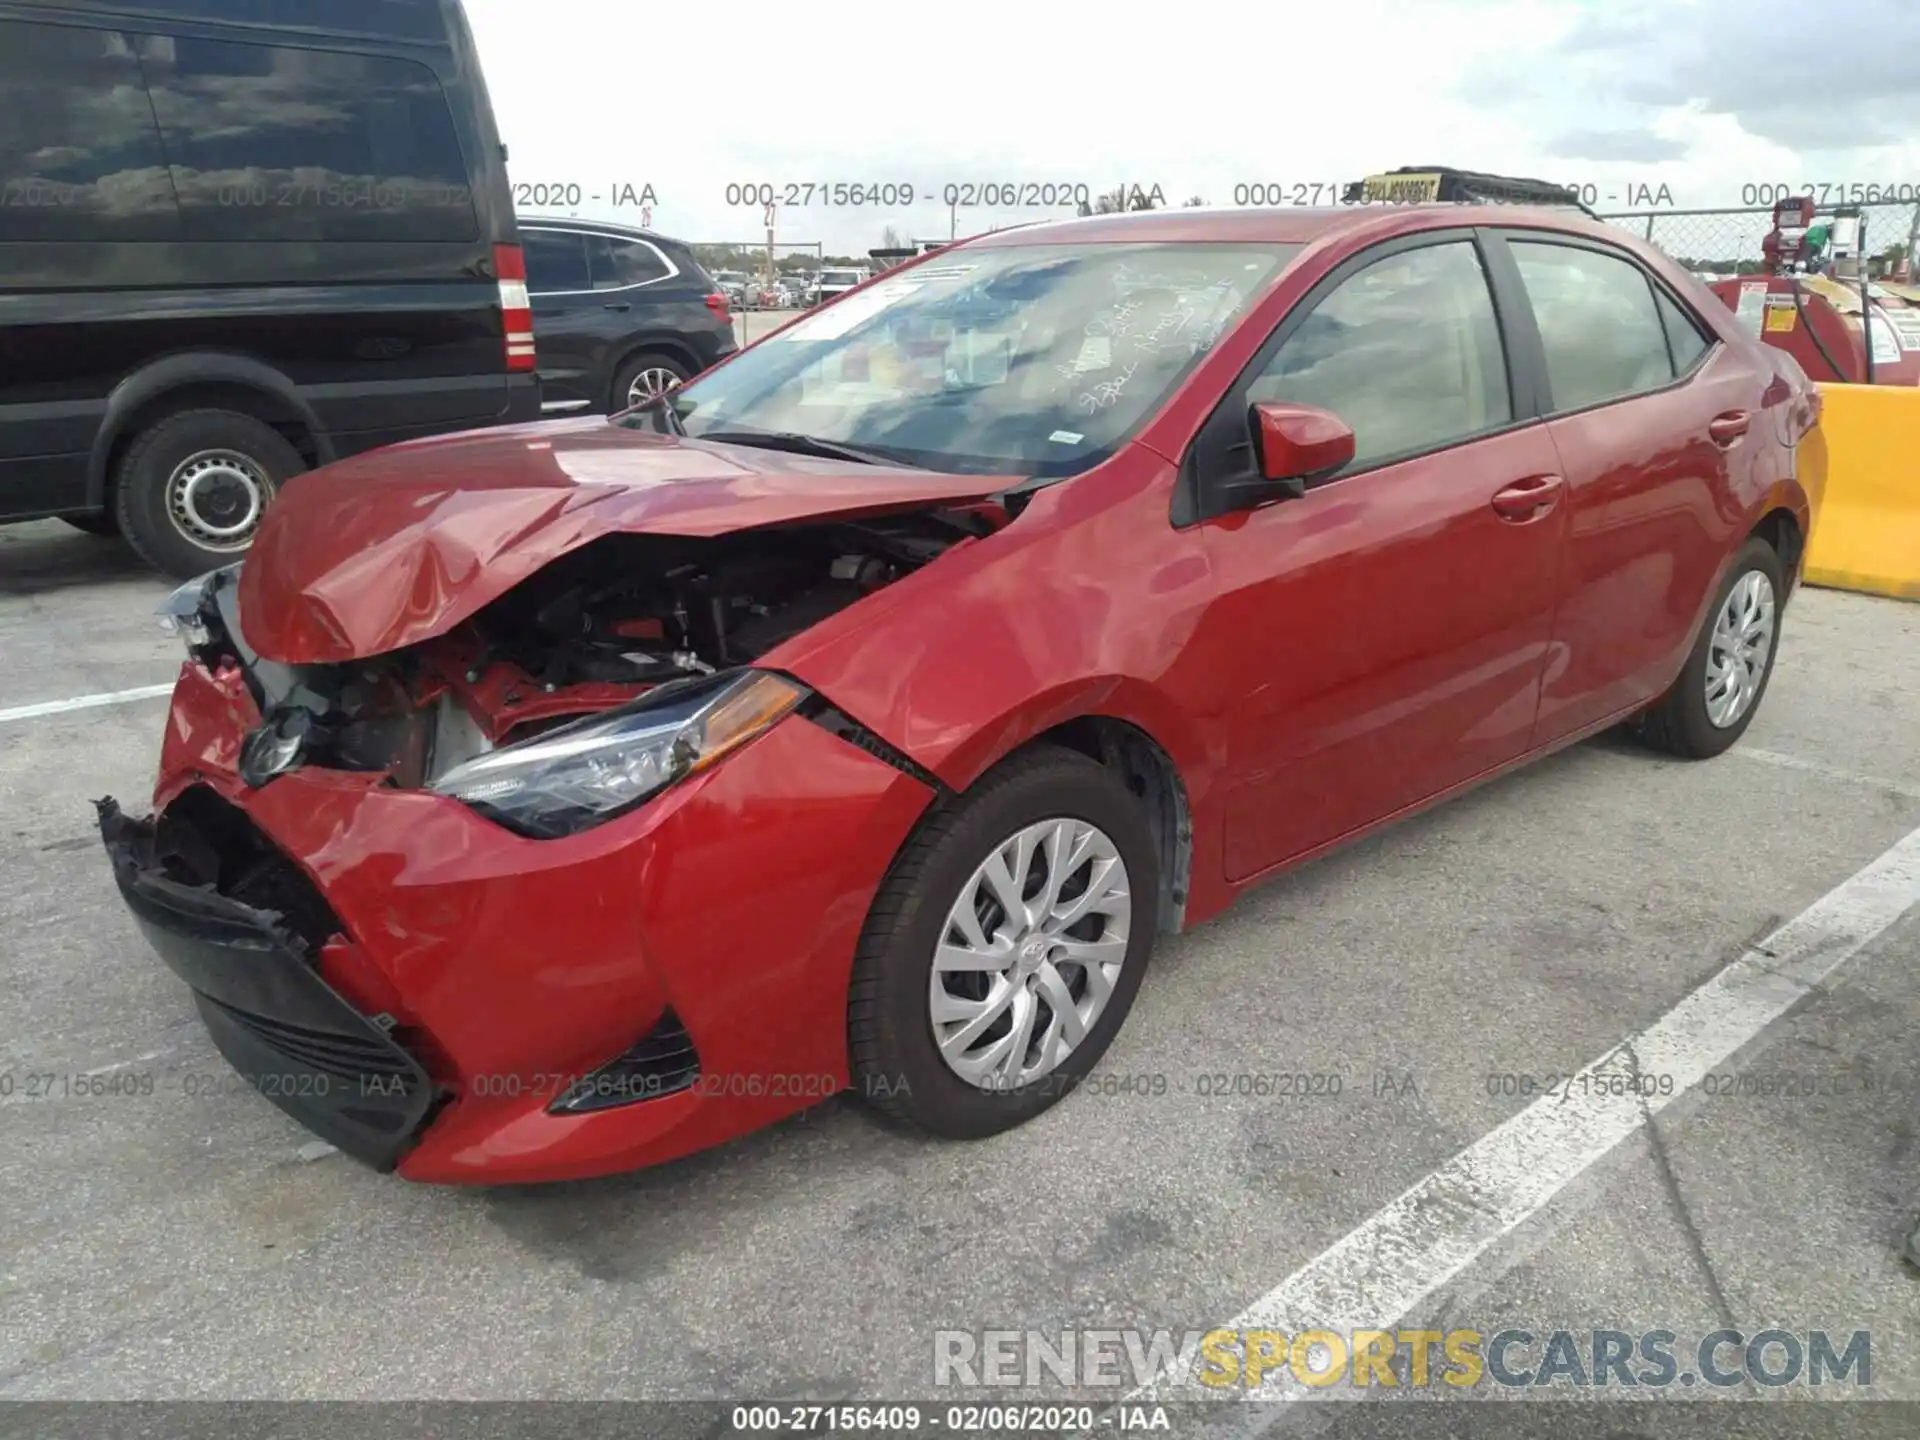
<point x="656" y="380"/>
<point x="1030" y="954"/>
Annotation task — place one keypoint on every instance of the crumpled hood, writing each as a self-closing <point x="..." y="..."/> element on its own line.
<point x="401" y="544"/>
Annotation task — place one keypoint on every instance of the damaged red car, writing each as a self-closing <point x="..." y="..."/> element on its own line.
<point x="553" y="800"/>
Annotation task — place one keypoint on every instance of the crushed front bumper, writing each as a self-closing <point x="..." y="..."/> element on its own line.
<point x="455" y="981"/>
<point x="288" y="1032"/>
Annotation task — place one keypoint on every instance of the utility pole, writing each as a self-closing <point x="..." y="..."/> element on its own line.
<point x="770" y="218"/>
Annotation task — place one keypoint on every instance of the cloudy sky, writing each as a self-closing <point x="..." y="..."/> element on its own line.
<point x="1702" y="97"/>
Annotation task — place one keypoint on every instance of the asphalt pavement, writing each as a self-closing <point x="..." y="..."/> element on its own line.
<point x="183" y="1244"/>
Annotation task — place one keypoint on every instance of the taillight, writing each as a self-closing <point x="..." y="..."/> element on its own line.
<point x="717" y="303"/>
<point x="516" y="310"/>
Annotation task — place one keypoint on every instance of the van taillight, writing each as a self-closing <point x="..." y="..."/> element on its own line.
<point x="717" y="303"/>
<point x="516" y="310"/>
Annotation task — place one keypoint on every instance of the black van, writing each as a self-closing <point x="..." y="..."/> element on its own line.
<point x="238" y="239"/>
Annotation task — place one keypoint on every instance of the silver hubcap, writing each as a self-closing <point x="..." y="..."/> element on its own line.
<point x="649" y="383"/>
<point x="1030" y="954"/>
<point x="215" y="498"/>
<point x="1742" y="641"/>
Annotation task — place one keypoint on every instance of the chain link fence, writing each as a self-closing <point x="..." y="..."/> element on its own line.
<point x="1728" y="241"/>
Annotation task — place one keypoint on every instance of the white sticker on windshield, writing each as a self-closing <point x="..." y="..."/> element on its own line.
<point x="1066" y="437"/>
<point x="837" y="319"/>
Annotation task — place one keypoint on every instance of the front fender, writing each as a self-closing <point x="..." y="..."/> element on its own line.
<point x="1084" y="605"/>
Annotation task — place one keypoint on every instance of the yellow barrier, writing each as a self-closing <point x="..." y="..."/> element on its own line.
<point x="1866" y="533"/>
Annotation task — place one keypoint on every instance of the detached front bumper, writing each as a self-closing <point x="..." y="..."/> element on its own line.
<point x="289" y="1033"/>
<point x="420" y="987"/>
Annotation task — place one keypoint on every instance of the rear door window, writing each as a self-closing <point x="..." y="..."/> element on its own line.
<point x="1406" y="351"/>
<point x="556" y="261"/>
<point x="1599" y="322"/>
<point x="1684" y="340"/>
<point x="274" y="142"/>
<point x="80" y="158"/>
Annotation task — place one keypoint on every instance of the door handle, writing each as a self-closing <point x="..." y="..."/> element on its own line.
<point x="1727" y="428"/>
<point x="617" y="305"/>
<point x="1528" y="499"/>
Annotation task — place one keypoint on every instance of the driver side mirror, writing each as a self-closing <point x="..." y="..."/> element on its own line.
<point x="1298" y="444"/>
<point x="1293" y="446"/>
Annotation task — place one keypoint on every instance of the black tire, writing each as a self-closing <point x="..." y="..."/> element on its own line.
<point x="101" y="524"/>
<point x="1679" y="724"/>
<point x="645" y="360"/>
<point x="141" y="479"/>
<point x="896" y="1063"/>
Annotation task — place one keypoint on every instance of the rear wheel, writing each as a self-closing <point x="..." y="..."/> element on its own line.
<point x="1003" y="952"/>
<point x="1719" y="691"/>
<point x="645" y="376"/>
<point x="190" y="491"/>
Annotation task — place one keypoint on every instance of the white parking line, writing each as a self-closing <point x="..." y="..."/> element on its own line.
<point x="85" y="702"/>
<point x="1375" y="1276"/>
<point x="1821" y="768"/>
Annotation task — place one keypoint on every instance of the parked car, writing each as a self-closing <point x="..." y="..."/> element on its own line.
<point x="860" y="713"/>
<point x="194" y="307"/>
<point x="833" y="283"/>
<point x="620" y="315"/>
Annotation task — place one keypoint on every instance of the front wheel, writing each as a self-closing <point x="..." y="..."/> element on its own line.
<point x="1719" y="690"/>
<point x="1004" y="950"/>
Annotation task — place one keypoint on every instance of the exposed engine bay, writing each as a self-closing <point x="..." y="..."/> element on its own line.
<point x="595" y="629"/>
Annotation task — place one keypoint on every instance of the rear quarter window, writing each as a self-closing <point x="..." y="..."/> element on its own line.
<point x="277" y="142"/>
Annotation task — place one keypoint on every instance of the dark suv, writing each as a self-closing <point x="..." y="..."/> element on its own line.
<point x="238" y="239"/>
<point x="619" y="314"/>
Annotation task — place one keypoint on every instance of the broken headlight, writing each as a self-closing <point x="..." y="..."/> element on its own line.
<point x="187" y="610"/>
<point x="591" y="770"/>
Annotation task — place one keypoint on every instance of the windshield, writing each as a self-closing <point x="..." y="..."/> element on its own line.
<point x="840" y="277"/>
<point x="1031" y="360"/>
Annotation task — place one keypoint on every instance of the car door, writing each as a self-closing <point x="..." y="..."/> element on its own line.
<point x="1650" y="422"/>
<point x="1391" y="622"/>
<point x="566" y="317"/>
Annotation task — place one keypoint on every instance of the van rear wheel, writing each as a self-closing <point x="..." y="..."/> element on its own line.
<point x="190" y="491"/>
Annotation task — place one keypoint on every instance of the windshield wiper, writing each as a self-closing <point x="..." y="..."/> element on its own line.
<point x="799" y="444"/>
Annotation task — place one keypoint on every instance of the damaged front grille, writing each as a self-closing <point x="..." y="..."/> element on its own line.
<point x="348" y="1057"/>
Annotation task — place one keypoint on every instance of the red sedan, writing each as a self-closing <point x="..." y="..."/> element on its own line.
<point x="553" y="800"/>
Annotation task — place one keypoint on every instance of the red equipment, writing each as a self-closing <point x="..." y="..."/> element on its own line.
<point x="1818" y="320"/>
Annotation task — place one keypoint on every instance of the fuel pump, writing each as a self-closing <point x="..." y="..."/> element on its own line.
<point x="1814" y="275"/>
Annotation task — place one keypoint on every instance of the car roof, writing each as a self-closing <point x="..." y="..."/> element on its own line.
<point x="1290" y="225"/>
